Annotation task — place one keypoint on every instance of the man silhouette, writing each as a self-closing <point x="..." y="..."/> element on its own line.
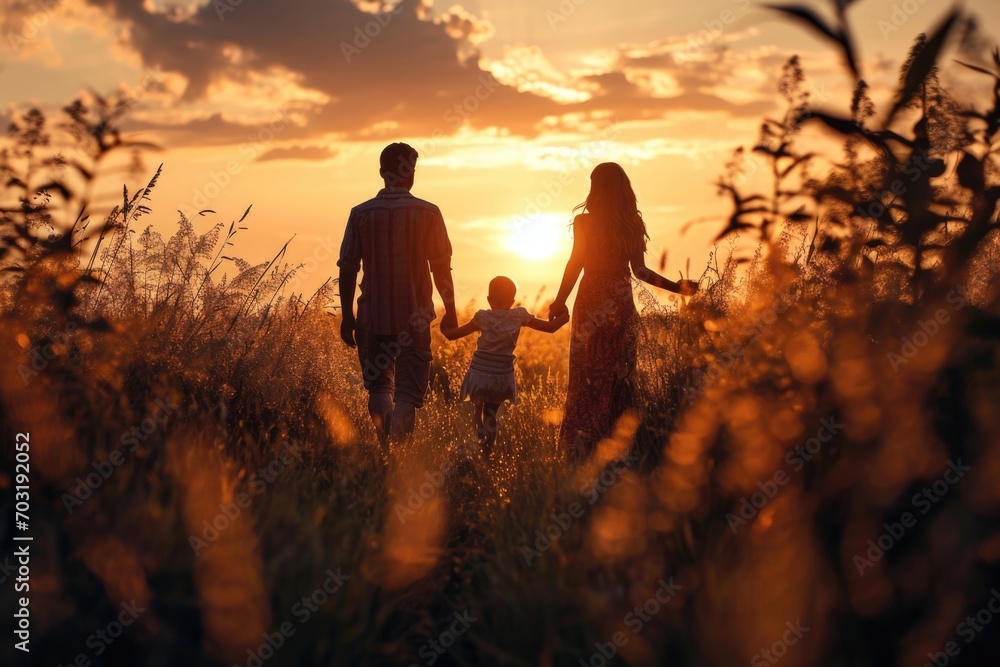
<point x="398" y="241"/>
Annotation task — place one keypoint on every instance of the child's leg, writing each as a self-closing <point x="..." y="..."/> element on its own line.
<point x="490" y="425"/>
<point x="477" y="418"/>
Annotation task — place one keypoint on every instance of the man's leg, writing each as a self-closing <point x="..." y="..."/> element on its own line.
<point x="378" y="371"/>
<point x="404" y="415"/>
<point x="413" y="373"/>
<point x="380" y="410"/>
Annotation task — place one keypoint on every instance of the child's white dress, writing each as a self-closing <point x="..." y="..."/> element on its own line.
<point x="491" y="374"/>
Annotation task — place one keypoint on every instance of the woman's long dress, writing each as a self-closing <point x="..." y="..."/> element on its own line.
<point x="603" y="347"/>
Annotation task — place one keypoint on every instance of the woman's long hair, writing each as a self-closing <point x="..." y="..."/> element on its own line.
<point x="612" y="201"/>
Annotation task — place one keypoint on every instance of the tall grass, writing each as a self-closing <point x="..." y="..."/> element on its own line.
<point x="105" y="326"/>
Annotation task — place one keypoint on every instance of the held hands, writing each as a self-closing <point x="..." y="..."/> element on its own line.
<point x="557" y="309"/>
<point x="687" y="287"/>
<point x="449" y="324"/>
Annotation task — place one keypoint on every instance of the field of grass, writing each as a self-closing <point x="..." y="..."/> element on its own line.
<point x="811" y="478"/>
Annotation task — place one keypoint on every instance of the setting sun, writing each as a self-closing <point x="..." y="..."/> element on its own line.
<point x="539" y="236"/>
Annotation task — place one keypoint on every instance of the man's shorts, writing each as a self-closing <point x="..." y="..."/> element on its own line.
<point x="397" y="364"/>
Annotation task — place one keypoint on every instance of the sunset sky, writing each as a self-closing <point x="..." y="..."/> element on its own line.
<point x="510" y="103"/>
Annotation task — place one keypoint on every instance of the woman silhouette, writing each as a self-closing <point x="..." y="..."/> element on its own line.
<point x="609" y="245"/>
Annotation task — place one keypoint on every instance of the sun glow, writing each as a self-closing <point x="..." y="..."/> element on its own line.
<point x="538" y="237"/>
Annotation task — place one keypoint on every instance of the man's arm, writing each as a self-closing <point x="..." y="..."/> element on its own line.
<point x="439" y="259"/>
<point x="446" y="288"/>
<point x="348" y="282"/>
<point x="350" y="264"/>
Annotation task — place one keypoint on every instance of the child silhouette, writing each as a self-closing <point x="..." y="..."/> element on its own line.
<point x="490" y="379"/>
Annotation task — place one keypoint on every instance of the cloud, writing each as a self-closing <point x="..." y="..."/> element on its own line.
<point x="644" y="82"/>
<point x="350" y="68"/>
<point x="525" y="68"/>
<point x="310" y="153"/>
<point x="339" y="70"/>
<point x="463" y="26"/>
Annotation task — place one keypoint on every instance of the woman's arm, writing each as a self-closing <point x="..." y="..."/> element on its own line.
<point x="454" y="333"/>
<point x="572" y="273"/>
<point x="651" y="277"/>
<point x="548" y="326"/>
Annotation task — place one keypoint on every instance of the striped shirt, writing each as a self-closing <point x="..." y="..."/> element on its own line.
<point x="397" y="239"/>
